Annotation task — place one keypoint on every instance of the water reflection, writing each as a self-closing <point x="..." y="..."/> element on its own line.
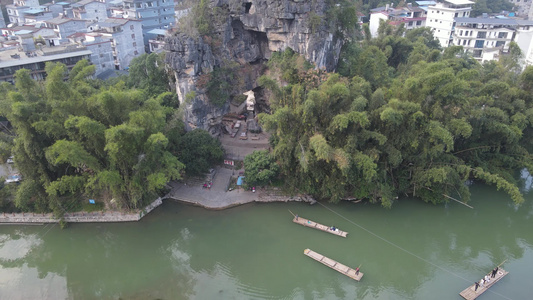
<point x="413" y="251"/>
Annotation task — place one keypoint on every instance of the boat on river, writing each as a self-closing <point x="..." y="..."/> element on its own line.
<point x="354" y="274"/>
<point x="309" y="223"/>
<point x="472" y="293"/>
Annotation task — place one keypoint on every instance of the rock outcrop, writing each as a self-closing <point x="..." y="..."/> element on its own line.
<point x="247" y="33"/>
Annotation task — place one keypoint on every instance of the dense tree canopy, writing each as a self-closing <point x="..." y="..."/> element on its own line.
<point x="80" y="139"/>
<point x="406" y="120"/>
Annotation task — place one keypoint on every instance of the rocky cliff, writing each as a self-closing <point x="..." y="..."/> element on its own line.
<point x="245" y="34"/>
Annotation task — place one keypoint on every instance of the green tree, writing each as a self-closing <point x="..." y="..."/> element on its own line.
<point x="260" y="168"/>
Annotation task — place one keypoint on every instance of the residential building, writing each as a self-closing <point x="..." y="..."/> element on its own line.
<point x="153" y="14"/>
<point x="485" y="38"/>
<point x="56" y="8"/>
<point x="441" y="18"/>
<point x="12" y="60"/>
<point x="157" y="41"/>
<point x="2" y="21"/>
<point x="34" y="15"/>
<point x="90" y="10"/>
<point x="65" y="27"/>
<point x="524" y="39"/>
<point x="126" y="39"/>
<point x="15" y="13"/>
<point x="100" y="47"/>
<point x="411" y="16"/>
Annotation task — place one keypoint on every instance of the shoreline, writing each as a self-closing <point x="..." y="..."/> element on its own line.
<point x="93" y="217"/>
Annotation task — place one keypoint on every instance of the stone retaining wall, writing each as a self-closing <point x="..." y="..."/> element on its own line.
<point x="79" y="217"/>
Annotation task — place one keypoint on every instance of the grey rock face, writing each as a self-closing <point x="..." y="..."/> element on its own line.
<point x="252" y="30"/>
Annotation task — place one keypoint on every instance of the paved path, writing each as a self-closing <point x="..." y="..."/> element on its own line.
<point x="219" y="198"/>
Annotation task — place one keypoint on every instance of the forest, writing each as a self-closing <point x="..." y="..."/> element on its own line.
<point x="401" y="117"/>
<point x="78" y="138"/>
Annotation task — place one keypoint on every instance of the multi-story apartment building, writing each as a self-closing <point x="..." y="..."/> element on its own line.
<point x="411" y="16"/>
<point x="485" y="38"/>
<point x="153" y="14"/>
<point x="90" y="10"/>
<point x="2" y="21"/>
<point x="35" y="15"/>
<point x="126" y="39"/>
<point x="12" y="60"/>
<point x="441" y="18"/>
<point x="100" y="47"/>
<point x="65" y="27"/>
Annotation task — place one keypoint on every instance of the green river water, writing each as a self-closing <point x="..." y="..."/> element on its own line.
<point x="412" y="251"/>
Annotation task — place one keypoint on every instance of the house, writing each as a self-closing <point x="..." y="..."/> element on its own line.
<point x="156" y="41"/>
<point x="153" y="14"/>
<point x="101" y="48"/>
<point x="65" y="27"/>
<point x="12" y="60"/>
<point x="441" y="18"/>
<point x="484" y="38"/>
<point x="126" y="39"/>
<point x="90" y="10"/>
<point x="411" y="16"/>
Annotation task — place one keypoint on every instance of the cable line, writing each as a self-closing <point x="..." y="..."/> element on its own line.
<point x="405" y="250"/>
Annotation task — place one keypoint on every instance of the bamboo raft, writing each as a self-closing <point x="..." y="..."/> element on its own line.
<point x="334" y="265"/>
<point x="309" y="223"/>
<point x="471" y="293"/>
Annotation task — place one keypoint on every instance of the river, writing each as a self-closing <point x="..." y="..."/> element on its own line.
<point x="412" y="251"/>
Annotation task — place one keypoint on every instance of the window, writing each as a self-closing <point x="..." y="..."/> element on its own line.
<point x="482" y="34"/>
<point x="460" y="32"/>
<point x="479" y="44"/>
<point x="136" y="52"/>
<point x="464" y="42"/>
<point x="103" y="65"/>
<point x="477" y="53"/>
<point x="456" y="15"/>
<point x="418" y="22"/>
<point x="133" y="35"/>
<point x="101" y="55"/>
<point x="134" y="44"/>
<point x="502" y="35"/>
<point x="131" y="27"/>
<point x="500" y="43"/>
<point x="99" y="46"/>
<point x="464" y="14"/>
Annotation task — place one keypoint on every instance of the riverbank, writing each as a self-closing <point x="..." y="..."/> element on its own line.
<point x="218" y="197"/>
<point x="78" y="217"/>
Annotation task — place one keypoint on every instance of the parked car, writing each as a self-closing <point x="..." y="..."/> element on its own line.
<point x="10" y="160"/>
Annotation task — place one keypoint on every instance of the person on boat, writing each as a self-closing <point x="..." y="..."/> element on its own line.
<point x="487" y="278"/>
<point x="296" y="217"/>
<point x="494" y="272"/>
<point x="481" y="282"/>
<point x="357" y="271"/>
<point x="477" y="285"/>
<point x="333" y="227"/>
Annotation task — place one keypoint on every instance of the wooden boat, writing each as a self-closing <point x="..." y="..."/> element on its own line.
<point x="309" y="223"/>
<point x="334" y="265"/>
<point x="471" y="292"/>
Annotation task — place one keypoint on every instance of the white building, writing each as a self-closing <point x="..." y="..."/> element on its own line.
<point x="524" y="39"/>
<point x="157" y="41"/>
<point x="100" y="47"/>
<point x="90" y="10"/>
<point x="484" y="38"/>
<point x="411" y="16"/>
<point x="441" y="18"/>
<point x="2" y="21"/>
<point x="126" y="39"/>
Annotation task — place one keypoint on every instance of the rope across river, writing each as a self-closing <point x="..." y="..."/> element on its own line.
<point x="405" y="250"/>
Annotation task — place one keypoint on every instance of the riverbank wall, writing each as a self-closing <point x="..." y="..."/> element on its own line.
<point x="79" y="217"/>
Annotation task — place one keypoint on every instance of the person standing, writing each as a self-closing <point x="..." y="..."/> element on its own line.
<point x="357" y="271"/>
<point x="477" y="286"/>
<point x="494" y="272"/>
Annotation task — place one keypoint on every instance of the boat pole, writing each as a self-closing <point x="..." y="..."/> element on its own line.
<point x="292" y="213"/>
<point x="501" y="263"/>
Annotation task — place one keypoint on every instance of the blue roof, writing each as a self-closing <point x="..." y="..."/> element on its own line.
<point x="426" y="2"/>
<point x="62" y="3"/>
<point x="157" y="31"/>
<point x="33" y="11"/>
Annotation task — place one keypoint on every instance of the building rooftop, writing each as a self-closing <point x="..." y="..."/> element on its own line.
<point x="13" y="57"/>
<point x="425" y="3"/>
<point x="158" y="31"/>
<point x="62" y="20"/>
<point x="490" y="21"/>
<point x="459" y="2"/>
<point x="33" y="11"/>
